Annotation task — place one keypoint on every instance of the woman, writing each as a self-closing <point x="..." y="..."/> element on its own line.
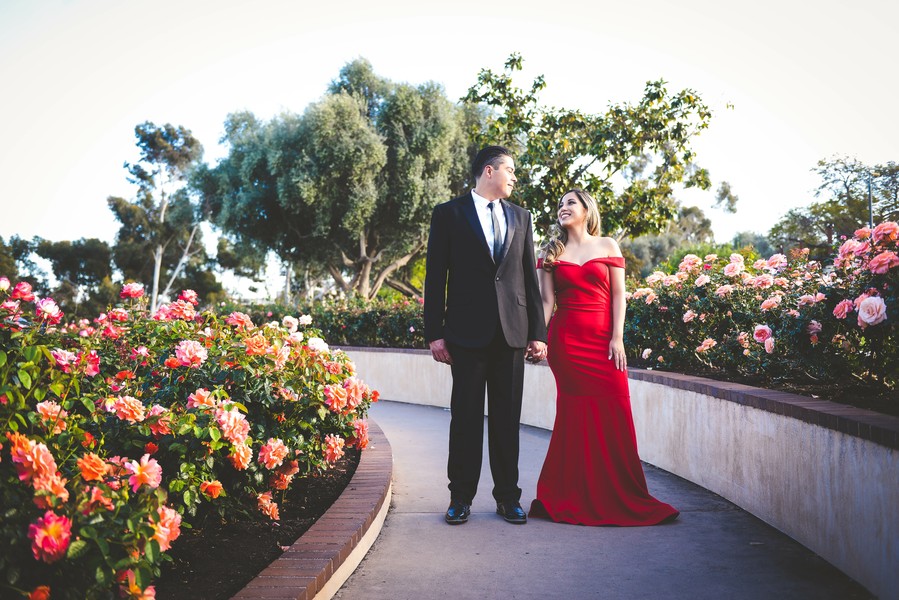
<point x="592" y="474"/>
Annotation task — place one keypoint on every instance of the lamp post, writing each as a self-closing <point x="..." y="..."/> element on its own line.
<point x="870" y="204"/>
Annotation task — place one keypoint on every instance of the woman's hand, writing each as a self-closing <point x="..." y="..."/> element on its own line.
<point x="616" y="354"/>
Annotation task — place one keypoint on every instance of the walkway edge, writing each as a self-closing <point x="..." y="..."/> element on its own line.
<point x="324" y="557"/>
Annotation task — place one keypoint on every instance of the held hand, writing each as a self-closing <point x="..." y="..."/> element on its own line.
<point x="535" y="352"/>
<point x="616" y="354"/>
<point x="440" y="352"/>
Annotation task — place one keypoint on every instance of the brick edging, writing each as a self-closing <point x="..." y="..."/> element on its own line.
<point x="865" y="424"/>
<point x="304" y="568"/>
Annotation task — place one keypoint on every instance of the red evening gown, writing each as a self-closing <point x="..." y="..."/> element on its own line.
<point x="592" y="474"/>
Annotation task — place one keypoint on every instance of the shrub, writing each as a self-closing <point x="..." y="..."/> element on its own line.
<point x="114" y="431"/>
<point x="777" y="319"/>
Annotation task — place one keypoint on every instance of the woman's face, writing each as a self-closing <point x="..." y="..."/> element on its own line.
<point x="571" y="212"/>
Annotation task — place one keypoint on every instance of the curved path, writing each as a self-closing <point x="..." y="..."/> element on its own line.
<point x="714" y="550"/>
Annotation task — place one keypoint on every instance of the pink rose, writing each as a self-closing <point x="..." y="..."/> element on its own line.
<point x="167" y="527"/>
<point x="272" y="454"/>
<point x="763" y="281"/>
<point x="863" y="233"/>
<point x="733" y="269"/>
<point x="871" y="311"/>
<point x="690" y="262"/>
<point x="724" y="290"/>
<point x="706" y="345"/>
<point x="769" y="345"/>
<point x="843" y="308"/>
<point x="22" y="291"/>
<point x="132" y="290"/>
<point x="689" y="316"/>
<point x="240" y="320"/>
<point x="191" y="353"/>
<point x="886" y="231"/>
<point x="777" y="261"/>
<point x="50" y="536"/>
<point x="4" y="284"/>
<point x="814" y="327"/>
<point x="189" y="296"/>
<point x="770" y="302"/>
<point x="883" y="262"/>
<point x="761" y="333"/>
<point x="702" y="280"/>
<point x="146" y="472"/>
<point x="47" y="310"/>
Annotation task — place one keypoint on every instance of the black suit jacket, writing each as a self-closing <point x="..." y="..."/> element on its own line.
<point x="468" y="295"/>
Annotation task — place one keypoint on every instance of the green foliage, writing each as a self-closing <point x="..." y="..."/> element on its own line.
<point x="382" y="323"/>
<point x="630" y="158"/>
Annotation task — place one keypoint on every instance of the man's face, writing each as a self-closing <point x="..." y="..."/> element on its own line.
<point x="502" y="177"/>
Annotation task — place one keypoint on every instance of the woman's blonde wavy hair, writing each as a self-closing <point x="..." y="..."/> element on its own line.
<point x="555" y="242"/>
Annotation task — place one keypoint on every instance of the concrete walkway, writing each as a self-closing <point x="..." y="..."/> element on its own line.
<point x="714" y="550"/>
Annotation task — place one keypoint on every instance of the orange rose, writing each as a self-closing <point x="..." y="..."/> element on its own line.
<point x="93" y="468"/>
<point x="256" y="344"/>
<point x="211" y="488"/>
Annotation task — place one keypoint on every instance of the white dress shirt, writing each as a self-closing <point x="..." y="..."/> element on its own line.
<point x="484" y="216"/>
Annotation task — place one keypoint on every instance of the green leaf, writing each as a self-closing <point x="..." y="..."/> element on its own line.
<point x="76" y="549"/>
<point x="151" y="549"/>
<point x="215" y="434"/>
<point x="24" y="378"/>
<point x="57" y="388"/>
<point x="2" y="358"/>
<point x="101" y="576"/>
<point x="40" y="394"/>
<point x="87" y="404"/>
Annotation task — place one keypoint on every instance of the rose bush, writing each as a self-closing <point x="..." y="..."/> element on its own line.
<point x="117" y="432"/>
<point x="777" y="319"/>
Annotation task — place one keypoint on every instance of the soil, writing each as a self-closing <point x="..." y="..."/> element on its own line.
<point x="215" y="560"/>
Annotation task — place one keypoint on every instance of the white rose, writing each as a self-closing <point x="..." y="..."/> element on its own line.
<point x="305" y="320"/>
<point x="317" y="344"/>
<point x="872" y="311"/>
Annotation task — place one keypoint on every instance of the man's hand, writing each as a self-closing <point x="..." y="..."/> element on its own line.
<point x="439" y="351"/>
<point x="536" y="351"/>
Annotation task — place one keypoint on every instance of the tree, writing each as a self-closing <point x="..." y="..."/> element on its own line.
<point x="630" y="158"/>
<point x="8" y="266"/>
<point x="161" y="222"/>
<point x="844" y="207"/>
<point x="756" y="241"/>
<point x="691" y="229"/>
<point x="348" y="187"/>
<point x="83" y="271"/>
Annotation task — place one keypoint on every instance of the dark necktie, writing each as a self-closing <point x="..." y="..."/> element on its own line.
<point x="497" y="238"/>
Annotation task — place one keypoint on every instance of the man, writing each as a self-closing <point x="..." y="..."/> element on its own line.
<point x="482" y="308"/>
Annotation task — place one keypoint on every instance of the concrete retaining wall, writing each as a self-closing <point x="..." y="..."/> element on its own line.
<point x="825" y="474"/>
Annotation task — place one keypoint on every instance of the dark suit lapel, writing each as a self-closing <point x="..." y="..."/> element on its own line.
<point x="471" y="215"/>
<point x="512" y="226"/>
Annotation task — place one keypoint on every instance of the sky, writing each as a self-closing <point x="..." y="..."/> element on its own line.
<point x="806" y="81"/>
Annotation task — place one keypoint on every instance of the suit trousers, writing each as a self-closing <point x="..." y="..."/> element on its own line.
<point x="499" y="369"/>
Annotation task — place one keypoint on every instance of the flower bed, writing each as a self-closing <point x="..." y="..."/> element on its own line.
<point x="784" y="320"/>
<point x="117" y="433"/>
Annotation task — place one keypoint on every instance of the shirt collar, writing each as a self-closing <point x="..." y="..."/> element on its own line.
<point x="480" y="201"/>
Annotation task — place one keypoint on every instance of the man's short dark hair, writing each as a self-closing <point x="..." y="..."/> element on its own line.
<point x="489" y="155"/>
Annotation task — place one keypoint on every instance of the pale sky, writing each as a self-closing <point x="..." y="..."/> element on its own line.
<point x="807" y="81"/>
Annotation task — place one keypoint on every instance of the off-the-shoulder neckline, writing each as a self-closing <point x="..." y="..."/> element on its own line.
<point x="590" y="260"/>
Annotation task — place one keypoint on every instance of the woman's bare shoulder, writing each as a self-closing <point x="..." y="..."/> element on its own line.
<point x="609" y="246"/>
